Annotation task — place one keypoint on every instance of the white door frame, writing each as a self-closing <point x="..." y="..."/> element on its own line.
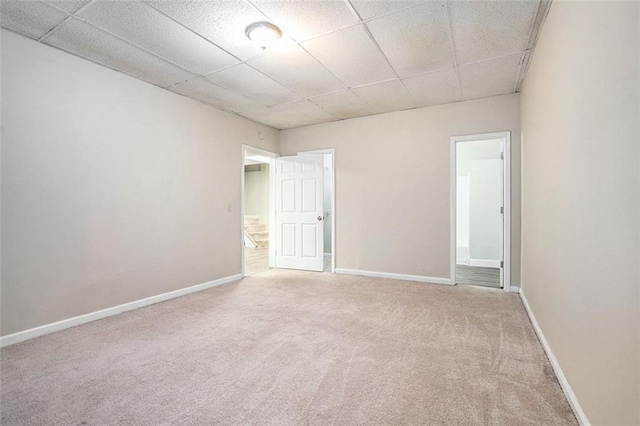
<point x="269" y="154"/>
<point x="331" y="151"/>
<point x="506" y="201"/>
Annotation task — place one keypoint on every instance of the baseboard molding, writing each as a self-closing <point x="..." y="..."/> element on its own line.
<point x="21" y="336"/>
<point x="514" y="289"/>
<point x="404" y="277"/>
<point x="484" y="263"/>
<point x="564" y="383"/>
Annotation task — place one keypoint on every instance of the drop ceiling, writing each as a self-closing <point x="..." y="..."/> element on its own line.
<point x="336" y="59"/>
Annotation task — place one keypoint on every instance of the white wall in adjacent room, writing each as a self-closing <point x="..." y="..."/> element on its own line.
<point x="256" y="193"/>
<point x="485" y="234"/>
<point x="479" y="197"/>
<point x="462" y="219"/>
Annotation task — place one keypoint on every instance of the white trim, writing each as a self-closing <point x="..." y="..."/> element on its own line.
<point x="481" y="137"/>
<point x="21" y="336"/>
<point x="266" y="154"/>
<point x="506" y="202"/>
<point x="515" y="289"/>
<point x="484" y="263"/>
<point x="272" y="213"/>
<point x="453" y="218"/>
<point x="564" y="383"/>
<point x="404" y="277"/>
<point x="331" y="151"/>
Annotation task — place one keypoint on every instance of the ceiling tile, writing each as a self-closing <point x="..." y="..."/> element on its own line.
<point x="336" y="51"/>
<point x="297" y="70"/>
<point x="434" y="88"/>
<point x="150" y="29"/>
<point x="31" y="18"/>
<point x="385" y="97"/>
<point x="221" y="21"/>
<point x="368" y="9"/>
<point x="351" y="56"/>
<point x="212" y="94"/>
<point x="292" y="114"/>
<point x="302" y="20"/>
<point x="71" y="6"/>
<point x="94" y="44"/>
<point x="489" y="29"/>
<point x="343" y="104"/>
<point x="258" y="115"/>
<point x="490" y="78"/>
<point x="246" y="80"/>
<point x="415" y="40"/>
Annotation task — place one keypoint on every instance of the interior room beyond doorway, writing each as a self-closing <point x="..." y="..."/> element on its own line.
<point x="256" y="200"/>
<point x="479" y="212"/>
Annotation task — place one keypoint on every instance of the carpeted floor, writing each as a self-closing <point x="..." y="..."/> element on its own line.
<point x="287" y="347"/>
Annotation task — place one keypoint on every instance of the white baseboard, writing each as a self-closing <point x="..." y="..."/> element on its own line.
<point x="392" y="276"/>
<point x="484" y="263"/>
<point x="564" y="383"/>
<point x="514" y="289"/>
<point x="21" y="336"/>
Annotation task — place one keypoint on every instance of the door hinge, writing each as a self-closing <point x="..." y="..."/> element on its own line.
<point x="502" y="263"/>
<point x="502" y="155"/>
<point x="501" y="210"/>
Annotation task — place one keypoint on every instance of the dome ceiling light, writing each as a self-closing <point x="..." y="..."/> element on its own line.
<point x="264" y="33"/>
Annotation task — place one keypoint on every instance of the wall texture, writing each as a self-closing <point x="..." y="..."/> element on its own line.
<point x="580" y="201"/>
<point x="392" y="182"/>
<point x="113" y="189"/>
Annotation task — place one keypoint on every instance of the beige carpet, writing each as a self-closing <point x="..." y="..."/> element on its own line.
<point x="285" y="347"/>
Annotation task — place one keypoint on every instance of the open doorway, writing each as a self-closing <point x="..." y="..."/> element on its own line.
<point x="256" y="207"/>
<point x="480" y="210"/>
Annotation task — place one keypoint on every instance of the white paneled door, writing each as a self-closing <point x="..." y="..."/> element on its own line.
<point x="299" y="231"/>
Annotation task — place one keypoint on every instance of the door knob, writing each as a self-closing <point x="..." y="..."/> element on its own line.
<point x="319" y="218"/>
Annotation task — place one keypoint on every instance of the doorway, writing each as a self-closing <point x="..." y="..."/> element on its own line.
<point x="480" y="220"/>
<point x="256" y="207"/>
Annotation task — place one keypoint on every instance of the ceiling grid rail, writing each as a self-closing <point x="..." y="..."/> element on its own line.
<point x="480" y="58"/>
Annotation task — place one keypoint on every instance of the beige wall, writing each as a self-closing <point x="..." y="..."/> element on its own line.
<point x="113" y="189"/>
<point x="256" y="194"/>
<point x="392" y="182"/>
<point x="580" y="201"/>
